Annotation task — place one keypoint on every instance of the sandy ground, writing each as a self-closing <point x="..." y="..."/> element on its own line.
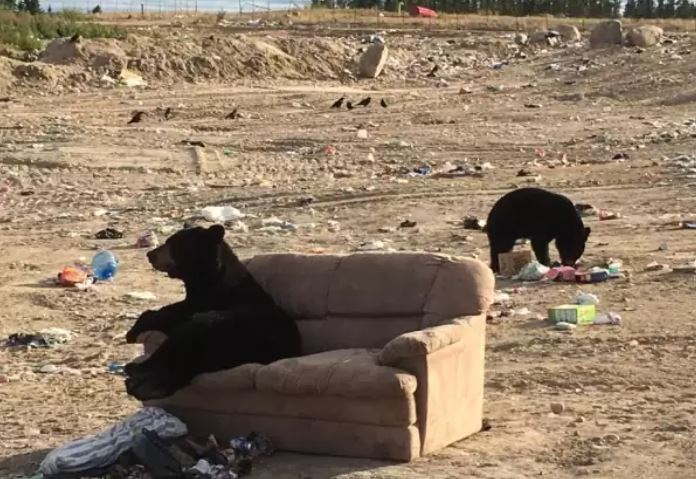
<point x="73" y="167"/>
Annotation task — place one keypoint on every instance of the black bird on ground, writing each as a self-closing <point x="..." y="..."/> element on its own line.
<point x="349" y="105"/>
<point x="338" y="103"/>
<point x="383" y="103"/>
<point x="364" y="101"/>
<point x="137" y="118"/>
<point x="233" y="115"/>
<point x="168" y="113"/>
<point x="433" y="71"/>
<point x="75" y="38"/>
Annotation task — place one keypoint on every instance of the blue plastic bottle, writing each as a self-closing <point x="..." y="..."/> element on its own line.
<point x="104" y="265"/>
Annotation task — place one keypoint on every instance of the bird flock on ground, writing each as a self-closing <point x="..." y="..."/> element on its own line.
<point x="140" y="115"/>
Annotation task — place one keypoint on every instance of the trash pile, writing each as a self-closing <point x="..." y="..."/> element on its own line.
<point x="80" y="275"/>
<point x="154" y="444"/>
<point x="45" y="338"/>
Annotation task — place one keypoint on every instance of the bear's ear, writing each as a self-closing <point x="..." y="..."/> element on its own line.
<point x="216" y="232"/>
<point x="587" y="231"/>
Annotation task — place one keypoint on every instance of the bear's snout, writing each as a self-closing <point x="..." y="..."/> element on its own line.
<point x="161" y="259"/>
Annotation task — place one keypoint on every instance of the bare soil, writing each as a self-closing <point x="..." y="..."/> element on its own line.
<point x="70" y="166"/>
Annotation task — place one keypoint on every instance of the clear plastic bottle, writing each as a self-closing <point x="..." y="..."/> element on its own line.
<point x="104" y="265"/>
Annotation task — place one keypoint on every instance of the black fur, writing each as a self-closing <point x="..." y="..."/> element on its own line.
<point x="226" y="318"/>
<point x="540" y="216"/>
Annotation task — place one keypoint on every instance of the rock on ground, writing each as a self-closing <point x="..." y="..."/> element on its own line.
<point x="645" y="36"/>
<point x="606" y="33"/>
<point x="569" y="33"/>
<point x="373" y="60"/>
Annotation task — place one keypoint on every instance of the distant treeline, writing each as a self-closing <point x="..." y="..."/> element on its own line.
<point x="568" y="8"/>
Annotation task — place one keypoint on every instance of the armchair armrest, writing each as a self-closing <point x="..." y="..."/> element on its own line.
<point x="424" y="342"/>
<point x="151" y="341"/>
<point x="448" y="363"/>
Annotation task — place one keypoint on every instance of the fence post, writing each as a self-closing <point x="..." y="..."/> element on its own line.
<point x="142" y="10"/>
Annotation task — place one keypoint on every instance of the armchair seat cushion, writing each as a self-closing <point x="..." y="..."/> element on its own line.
<point x="348" y="373"/>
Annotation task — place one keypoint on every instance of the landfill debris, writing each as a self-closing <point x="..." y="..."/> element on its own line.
<point x="585" y="209"/>
<point x="73" y="276"/>
<point x="501" y="297"/>
<point x="608" y="318"/>
<point x="687" y="225"/>
<point x="563" y="326"/>
<point x="275" y="224"/>
<point x="561" y="273"/>
<point x="252" y="445"/>
<point x="104" y="265"/>
<point x="221" y="214"/>
<point x="407" y="224"/>
<point x="511" y="263"/>
<point x="362" y="134"/>
<point x="330" y="150"/>
<point x="573" y="313"/>
<point x="473" y="223"/>
<point x="593" y="275"/>
<point x="423" y="170"/>
<point x="374" y="245"/>
<point x="148" y="239"/>
<point x="27" y="340"/>
<point x="142" y="295"/>
<point x="557" y="407"/>
<point x="116" y="368"/>
<point x="108" y="233"/>
<point x="608" y="215"/>
<point x="203" y="469"/>
<point x="687" y="268"/>
<point x="655" y="266"/>
<point x="586" y="298"/>
<point x="533" y="271"/>
<point x="620" y="156"/>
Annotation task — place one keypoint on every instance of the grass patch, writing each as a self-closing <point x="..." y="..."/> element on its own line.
<point x="29" y="32"/>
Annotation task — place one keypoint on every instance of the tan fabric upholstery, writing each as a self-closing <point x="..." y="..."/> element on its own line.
<point x="342" y="373"/>
<point x="394" y="348"/>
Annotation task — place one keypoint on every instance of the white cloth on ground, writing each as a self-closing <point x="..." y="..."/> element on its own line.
<point x="104" y="449"/>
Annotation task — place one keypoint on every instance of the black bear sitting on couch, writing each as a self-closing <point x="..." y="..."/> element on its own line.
<point x="225" y="320"/>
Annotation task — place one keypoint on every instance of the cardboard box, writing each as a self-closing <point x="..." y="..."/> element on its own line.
<point x="511" y="263"/>
<point x="573" y="313"/>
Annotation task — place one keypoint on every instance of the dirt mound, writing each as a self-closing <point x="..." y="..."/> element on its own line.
<point x="96" y="54"/>
<point x="218" y="57"/>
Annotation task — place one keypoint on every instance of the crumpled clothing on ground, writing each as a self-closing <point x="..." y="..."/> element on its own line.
<point x="104" y="449"/>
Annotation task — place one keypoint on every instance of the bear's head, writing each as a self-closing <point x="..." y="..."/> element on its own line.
<point x="572" y="247"/>
<point x="192" y="254"/>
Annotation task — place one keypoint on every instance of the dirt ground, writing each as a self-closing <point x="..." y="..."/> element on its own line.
<point x="70" y="166"/>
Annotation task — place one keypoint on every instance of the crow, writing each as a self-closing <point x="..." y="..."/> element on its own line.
<point x="338" y="103"/>
<point x="349" y="105"/>
<point x="234" y="115"/>
<point x="168" y="113"/>
<point x="137" y="118"/>
<point x="383" y="103"/>
<point x="364" y="101"/>
<point x="75" y="38"/>
<point x="433" y="72"/>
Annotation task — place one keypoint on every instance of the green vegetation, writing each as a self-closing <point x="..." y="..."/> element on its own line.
<point x="28" y="32"/>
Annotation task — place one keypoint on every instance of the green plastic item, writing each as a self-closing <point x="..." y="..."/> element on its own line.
<point x="573" y="313"/>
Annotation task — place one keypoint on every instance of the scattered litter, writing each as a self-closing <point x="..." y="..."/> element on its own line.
<point x="608" y="318"/>
<point x="104" y="265"/>
<point x="49" y="369"/>
<point x="593" y="275"/>
<point x="533" y="271"/>
<point x="687" y="225"/>
<point x="586" y="298"/>
<point x="511" y="263"/>
<point x="25" y="340"/>
<point x="687" y="268"/>
<point x="253" y="445"/>
<point x="500" y="297"/>
<point x="620" y="156"/>
<point x="147" y="240"/>
<point x="473" y="223"/>
<point x="54" y="335"/>
<point x="115" y="368"/>
<point x="573" y="313"/>
<point x="108" y="233"/>
<point x="142" y="295"/>
<point x="374" y="245"/>
<point x="273" y="223"/>
<point x="561" y="273"/>
<point x="193" y="143"/>
<point x="533" y="105"/>
<point x="330" y="150"/>
<point x="655" y="266"/>
<point x="407" y="224"/>
<point x="220" y="214"/>
<point x="209" y="471"/>
<point x="608" y="215"/>
<point x="585" y="209"/>
<point x="563" y="326"/>
<point x="423" y="170"/>
<point x="73" y="275"/>
<point x="362" y="134"/>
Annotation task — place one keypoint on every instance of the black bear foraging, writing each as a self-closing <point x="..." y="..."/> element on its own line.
<point x="540" y="216"/>
<point x="225" y="320"/>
